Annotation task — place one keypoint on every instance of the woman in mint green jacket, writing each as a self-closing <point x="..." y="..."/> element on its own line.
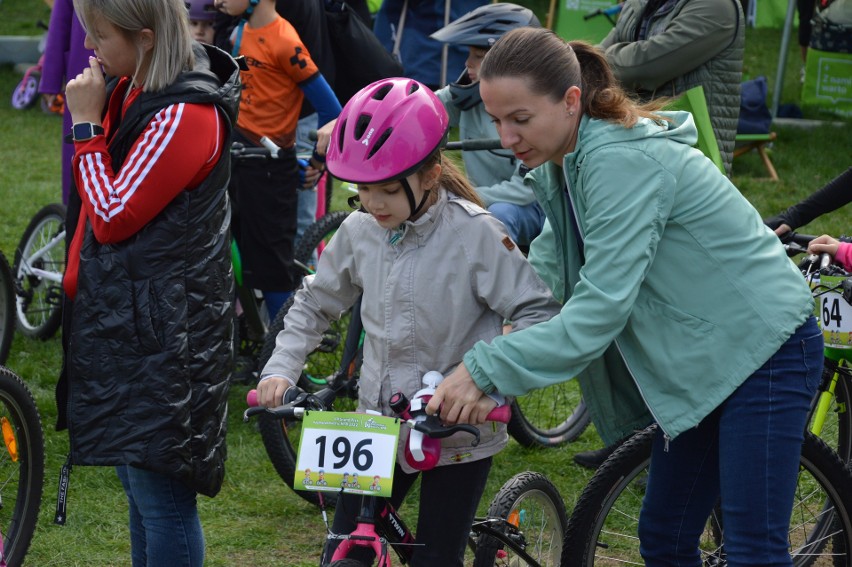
<point x="680" y="306"/>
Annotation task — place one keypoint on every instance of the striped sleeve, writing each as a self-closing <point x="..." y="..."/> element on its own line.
<point x="175" y="152"/>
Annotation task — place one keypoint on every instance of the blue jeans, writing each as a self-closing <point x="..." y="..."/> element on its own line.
<point x="523" y="222"/>
<point x="164" y="524"/>
<point x="746" y="451"/>
<point x="307" y="207"/>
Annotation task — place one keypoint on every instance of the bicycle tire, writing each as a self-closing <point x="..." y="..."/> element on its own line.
<point x="537" y="417"/>
<point x="837" y="428"/>
<point x="319" y="233"/>
<point x="532" y="504"/>
<point x="39" y="301"/>
<point x="281" y="437"/>
<point x="7" y="308"/>
<point x="602" y="529"/>
<point x="21" y="466"/>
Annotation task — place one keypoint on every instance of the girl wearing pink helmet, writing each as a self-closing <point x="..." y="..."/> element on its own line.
<point x="435" y="272"/>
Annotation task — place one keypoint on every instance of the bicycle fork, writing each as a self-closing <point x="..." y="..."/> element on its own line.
<point x="825" y="398"/>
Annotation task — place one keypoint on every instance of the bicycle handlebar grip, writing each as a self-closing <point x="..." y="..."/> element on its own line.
<point x="500" y="413"/>
<point x="251" y="398"/>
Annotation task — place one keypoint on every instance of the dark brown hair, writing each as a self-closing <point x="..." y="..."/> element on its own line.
<point x="452" y="179"/>
<point x="550" y="66"/>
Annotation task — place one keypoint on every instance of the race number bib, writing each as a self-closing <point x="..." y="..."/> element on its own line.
<point x="353" y="452"/>
<point x="833" y="313"/>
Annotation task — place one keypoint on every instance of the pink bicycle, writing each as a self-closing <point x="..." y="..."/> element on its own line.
<point x="524" y="525"/>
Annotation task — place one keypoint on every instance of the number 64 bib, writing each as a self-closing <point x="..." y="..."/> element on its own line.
<point x="353" y="452"/>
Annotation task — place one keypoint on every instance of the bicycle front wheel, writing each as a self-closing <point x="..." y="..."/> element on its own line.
<point x="549" y="417"/>
<point x="604" y="525"/>
<point x="38" y="269"/>
<point x="21" y="466"/>
<point x="529" y="512"/>
<point x="7" y="308"/>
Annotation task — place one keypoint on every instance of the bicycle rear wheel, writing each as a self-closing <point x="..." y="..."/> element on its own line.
<point x="539" y="417"/>
<point x="42" y="248"/>
<point x="529" y="511"/>
<point x="322" y="369"/>
<point x="603" y="527"/>
<point x="7" y="308"/>
<point x="21" y="466"/>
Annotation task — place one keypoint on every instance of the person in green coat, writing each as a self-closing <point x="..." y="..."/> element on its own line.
<point x="680" y="305"/>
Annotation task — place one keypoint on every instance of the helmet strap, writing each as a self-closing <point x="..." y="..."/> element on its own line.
<point x="410" y="194"/>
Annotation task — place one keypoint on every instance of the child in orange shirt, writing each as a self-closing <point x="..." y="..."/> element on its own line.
<point x="280" y="74"/>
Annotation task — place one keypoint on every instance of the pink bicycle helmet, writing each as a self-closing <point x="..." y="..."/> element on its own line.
<point x="386" y="131"/>
<point x="201" y="10"/>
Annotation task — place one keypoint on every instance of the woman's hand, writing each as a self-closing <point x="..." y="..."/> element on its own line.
<point x="459" y="399"/>
<point x="270" y="391"/>
<point x="85" y="95"/>
<point x="823" y="244"/>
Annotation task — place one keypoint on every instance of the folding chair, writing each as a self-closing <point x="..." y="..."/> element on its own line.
<point x="694" y="101"/>
<point x="749" y="142"/>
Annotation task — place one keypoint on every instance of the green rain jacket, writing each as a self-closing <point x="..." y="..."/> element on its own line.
<point x="682" y="293"/>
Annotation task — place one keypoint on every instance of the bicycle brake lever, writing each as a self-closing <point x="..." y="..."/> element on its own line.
<point x="432" y="427"/>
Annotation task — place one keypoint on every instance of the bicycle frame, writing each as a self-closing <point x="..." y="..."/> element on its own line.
<point x="366" y="535"/>
<point x="26" y="263"/>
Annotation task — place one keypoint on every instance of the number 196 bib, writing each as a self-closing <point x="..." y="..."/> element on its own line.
<point x="353" y="452"/>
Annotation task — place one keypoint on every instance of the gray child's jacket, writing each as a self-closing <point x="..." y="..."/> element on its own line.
<point x="449" y="281"/>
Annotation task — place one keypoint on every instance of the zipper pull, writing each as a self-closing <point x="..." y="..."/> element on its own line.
<point x="64" y="479"/>
<point x="666" y="440"/>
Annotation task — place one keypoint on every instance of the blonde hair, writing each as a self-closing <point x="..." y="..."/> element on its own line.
<point x="172" y="50"/>
<point x="550" y="65"/>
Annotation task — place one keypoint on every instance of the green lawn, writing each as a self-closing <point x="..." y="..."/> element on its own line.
<point x="255" y="520"/>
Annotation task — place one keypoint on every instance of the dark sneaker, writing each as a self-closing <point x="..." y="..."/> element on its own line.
<point x="594" y="459"/>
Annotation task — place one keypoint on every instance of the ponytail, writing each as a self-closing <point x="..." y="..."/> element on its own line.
<point x="602" y="95"/>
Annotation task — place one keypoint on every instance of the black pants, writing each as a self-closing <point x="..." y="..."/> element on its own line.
<point x="264" y="200"/>
<point x="449" y="496"/>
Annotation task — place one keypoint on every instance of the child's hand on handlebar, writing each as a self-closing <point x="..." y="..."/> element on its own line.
<point x="324" y="136"/>
<point x="824" y="244"/>
<point x="460" y="400"/>
<point x="271" y="390"/>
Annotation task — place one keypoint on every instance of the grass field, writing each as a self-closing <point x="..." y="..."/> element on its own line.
<point x="256" y="520"/>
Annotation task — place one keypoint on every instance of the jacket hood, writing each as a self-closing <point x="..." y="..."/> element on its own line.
<point x="215" y="78"/>
<point x="596" y="133"/>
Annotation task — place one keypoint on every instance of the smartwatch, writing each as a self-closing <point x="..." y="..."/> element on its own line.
<point x="83" y="131"/>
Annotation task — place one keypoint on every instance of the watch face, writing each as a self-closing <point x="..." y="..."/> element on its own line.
<point x="85" y="131"/>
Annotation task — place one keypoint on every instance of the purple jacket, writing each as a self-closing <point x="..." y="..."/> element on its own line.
<point x="64" y="57"/>
<point x="64" y="54"/>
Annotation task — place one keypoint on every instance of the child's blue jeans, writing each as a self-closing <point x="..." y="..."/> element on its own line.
<point x="747" y="451"/>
